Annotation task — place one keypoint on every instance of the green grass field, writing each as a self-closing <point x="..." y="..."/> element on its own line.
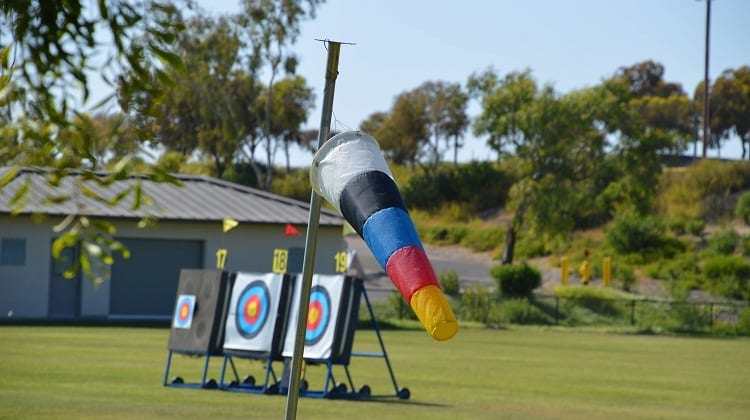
<point x="117" y="372"/>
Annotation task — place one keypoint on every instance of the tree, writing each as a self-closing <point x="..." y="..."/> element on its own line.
<point x="446" y="118"/>
<point x="419" y="122"/>
<point x="555" y="143"/>
<point x="293" y="102"/>
<point x="272" y="27"/>
<point x="647" y="79"/>
<point x="645" y="117"/>
<point x="729" y="102"/>
<point x="402" y="131"/>
<point x="501" y="102"/>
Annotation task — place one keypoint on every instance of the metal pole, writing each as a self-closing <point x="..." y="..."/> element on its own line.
<point x="705" y="80"/>
<point x="311" y="239"/>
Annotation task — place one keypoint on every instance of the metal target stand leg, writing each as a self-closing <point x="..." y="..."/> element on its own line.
<point x="331" y="389"/>
<point x="178" y="381"/>
<point x="402" y="393"/>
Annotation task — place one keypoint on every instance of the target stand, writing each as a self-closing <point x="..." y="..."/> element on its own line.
<point x="255" y="329"/>
<point x="198" y="321"/>
<point x="343" y="322"/>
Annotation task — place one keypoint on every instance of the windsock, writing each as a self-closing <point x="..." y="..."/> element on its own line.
<point x="349" y="171"/>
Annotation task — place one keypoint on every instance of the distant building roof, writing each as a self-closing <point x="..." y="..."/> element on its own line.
<point x="200" y="198"/>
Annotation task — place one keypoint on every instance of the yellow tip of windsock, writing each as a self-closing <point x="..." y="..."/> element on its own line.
<point x="434" y="313"/>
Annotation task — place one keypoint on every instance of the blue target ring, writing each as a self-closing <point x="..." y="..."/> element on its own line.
<point x="252" y="309"/>
<point x="318" y="315"/>
<point x="183" y="313"/>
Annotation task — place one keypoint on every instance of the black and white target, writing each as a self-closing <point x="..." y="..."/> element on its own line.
<point x="252" y="312"/>
<point x="322" y="316"/>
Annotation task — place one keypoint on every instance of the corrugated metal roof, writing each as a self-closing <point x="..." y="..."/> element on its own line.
<point x="200" y="198"/>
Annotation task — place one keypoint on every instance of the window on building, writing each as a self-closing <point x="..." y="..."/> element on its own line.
<point x="12" y="251"/>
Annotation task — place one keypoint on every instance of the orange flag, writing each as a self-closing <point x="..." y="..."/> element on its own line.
<point x="291" y="230"/>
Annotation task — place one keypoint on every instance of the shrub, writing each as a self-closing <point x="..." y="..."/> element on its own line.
<point x="450" y="283"/>
<point x="295" y="184"/>
<point x="727" y="276"/>
<point x="481" y="240"/>
<point x="724" y="242"/>
<point x="625" y="273"/>
<point x="599" y="300"/>
<point x="677" y="225"/>
<point x="398" y="308"/>
<point x="479" y="185"/>
<point x="516" y="280"/>
<point x="742" y="210"/>
<point x="695" y="227"/>
<point x="643" y="235"/>
<point x="530" y="246"/>
<point x="743" y="323"/>
<point x="443" y="235"/>
<point x="477" y="303"/>
<point x="675" y="268"/>
<point x="519" y="311"/>
<point x="746" y="245"/>
<point x="632" y="233"/>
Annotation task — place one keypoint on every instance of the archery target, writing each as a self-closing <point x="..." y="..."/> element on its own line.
<point x="322" y="316"/>
<point x="183" y="313"/>
<point x="252" y="312"/>
<point x="252" y="309"/>
<point x="318" y="315"/>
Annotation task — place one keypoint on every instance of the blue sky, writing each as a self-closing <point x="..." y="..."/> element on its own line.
<point x="570" y="44"/>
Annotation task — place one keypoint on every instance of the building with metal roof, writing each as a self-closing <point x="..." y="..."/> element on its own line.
<point x="185" y="230"/>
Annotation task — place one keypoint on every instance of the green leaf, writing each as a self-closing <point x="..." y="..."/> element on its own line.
<point x="64" y="224"/>
<point x="9" y="175"/>
<point x="5" y="56"/>
<point x="137" y="197"/>
<point x="67" y="240"/>
<point x="168" y="57"/>
<point x="103" y="226"/>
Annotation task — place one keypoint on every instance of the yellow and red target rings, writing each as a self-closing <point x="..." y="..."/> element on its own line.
<point x="252" y="309"/>
<point x="318" y="315"/>
<point x="183" y="313"/>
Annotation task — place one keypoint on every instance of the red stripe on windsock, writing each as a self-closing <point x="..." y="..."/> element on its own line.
<point x="410" y="270"/>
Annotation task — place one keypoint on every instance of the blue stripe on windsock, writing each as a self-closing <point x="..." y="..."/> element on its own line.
<point x="366" y="194"/>
<point x="388" y="230"/>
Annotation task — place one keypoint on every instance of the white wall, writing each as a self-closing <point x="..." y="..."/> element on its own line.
<point x="24" y="290"/>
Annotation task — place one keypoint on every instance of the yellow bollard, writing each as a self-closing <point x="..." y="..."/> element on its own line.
<point x="564" y="270"/>
<point x="585" y="272"/>
<point x="607" y="271"/>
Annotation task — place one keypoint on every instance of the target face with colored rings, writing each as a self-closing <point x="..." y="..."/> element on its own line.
<point x="183" y="315"/>
<point x="252" y="309"/>
<point x="318" y="315"/>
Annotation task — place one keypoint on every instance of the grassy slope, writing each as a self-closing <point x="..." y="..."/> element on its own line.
<point x="78" y="372"/>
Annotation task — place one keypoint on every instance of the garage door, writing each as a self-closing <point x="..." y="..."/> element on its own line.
<point x="145" y="284"/>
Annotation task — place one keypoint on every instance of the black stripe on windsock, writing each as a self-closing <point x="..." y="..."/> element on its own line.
<point x="366" y="194"/>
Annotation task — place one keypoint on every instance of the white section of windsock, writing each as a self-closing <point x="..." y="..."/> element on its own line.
<point x="340" y="159"/>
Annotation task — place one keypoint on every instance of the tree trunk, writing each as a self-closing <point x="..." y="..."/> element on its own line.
<point x="511" y="235"/>
<point x="455" y="151"/>
<point x="510" y="244"/>
<point x="286" y="155"/>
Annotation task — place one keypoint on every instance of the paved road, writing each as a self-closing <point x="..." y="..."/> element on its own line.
<point x="471" y="267"/>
